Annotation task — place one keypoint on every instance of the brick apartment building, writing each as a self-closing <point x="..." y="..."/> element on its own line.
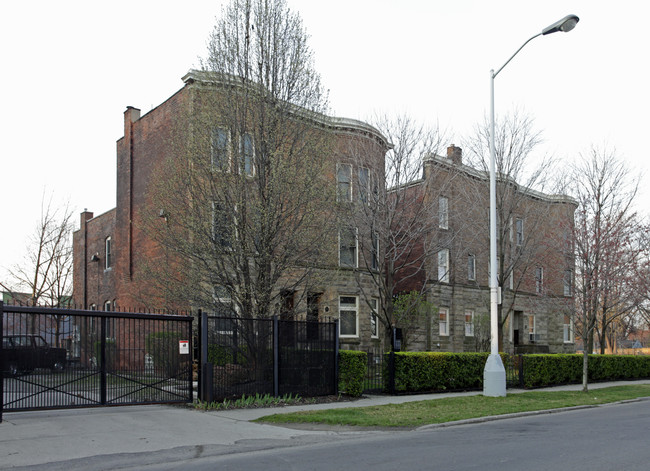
<point x="535" y="253"/>
<point x="111" y="249"/>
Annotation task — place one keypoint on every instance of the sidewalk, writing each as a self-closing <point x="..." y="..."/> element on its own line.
<point x="40" y="437"/>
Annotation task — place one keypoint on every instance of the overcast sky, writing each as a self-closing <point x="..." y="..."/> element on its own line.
<point x="70" y="69"/>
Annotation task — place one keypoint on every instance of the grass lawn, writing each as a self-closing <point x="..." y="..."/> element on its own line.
<point x="414" y="414"/>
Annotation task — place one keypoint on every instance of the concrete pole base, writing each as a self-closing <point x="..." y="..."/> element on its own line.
<point x="494" y="377"/>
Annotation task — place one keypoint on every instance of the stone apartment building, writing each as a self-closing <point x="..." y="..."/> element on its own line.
<point x="111" y="249"/>
<point x="535" y="254"/>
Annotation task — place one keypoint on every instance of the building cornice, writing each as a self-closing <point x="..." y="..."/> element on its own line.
<point x="336" y="124"/>
<point x="484" y="175"/>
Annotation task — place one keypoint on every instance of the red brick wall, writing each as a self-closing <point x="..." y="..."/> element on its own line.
<point x="144" y="148"/>
<point x="89" y="241"/>
<point x="141" y="153"/>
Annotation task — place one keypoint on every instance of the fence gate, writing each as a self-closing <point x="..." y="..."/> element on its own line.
<point x="374" y="380"/>
<point x="271" y="356"/>
<point x="63" y="358"/>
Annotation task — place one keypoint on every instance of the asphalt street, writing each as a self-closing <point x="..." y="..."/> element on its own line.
<point x="173" y="436"/>
<point x="603" y="438"/>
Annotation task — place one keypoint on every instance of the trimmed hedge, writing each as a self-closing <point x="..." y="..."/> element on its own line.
<point x="440" y="371"/>
<point x="549" y="370"/>
<point x="436" y="371"/>
<point x="353" y="366"/>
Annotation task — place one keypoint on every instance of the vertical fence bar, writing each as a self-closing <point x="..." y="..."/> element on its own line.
<point x="521" y="371"/>
<point x="276" y="357"/>
<point x="2" y="366"/>
<point x="391" y="372"/>
<point x="190" y="368"/>
<point x="336" y="357"/>
<point x="206" y="371"/>
<point x="102" y="359"/>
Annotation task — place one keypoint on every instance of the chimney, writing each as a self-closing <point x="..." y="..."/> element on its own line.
<point x="130" y="116"/>
<point x="85" y="216"/>
<point x="455" y="154"/>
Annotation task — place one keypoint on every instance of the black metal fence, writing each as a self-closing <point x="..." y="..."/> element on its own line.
<point x="514" y="366"/>
<point x="63" y="358"/>
<point x="374" y="381"/>
<point x="266" y="356"/>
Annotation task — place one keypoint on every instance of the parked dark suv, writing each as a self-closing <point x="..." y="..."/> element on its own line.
<point x="24" y="353"/>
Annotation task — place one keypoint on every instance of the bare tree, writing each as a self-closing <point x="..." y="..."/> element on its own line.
<point x="45" y="276"/>
<point x="622" y="294"/>
<point x="523" y="212"/>
<point x="245" y="196"/>
<point x="46" y="273"/>
<point x="609" y="249"/>
<point x="393" y="216"/>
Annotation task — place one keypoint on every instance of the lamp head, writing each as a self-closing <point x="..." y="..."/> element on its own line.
<point x="565" y="25"/>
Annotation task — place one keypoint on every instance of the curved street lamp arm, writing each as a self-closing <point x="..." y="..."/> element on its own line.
<point x="512" y="56"/>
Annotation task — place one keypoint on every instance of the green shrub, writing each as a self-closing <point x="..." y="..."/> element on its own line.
<point x="552" y="369"/>
<point x="353" y="365"/>
<point x="437" y="371"/>
<point x="219" y="355"/>
<point x="549" y="369"/>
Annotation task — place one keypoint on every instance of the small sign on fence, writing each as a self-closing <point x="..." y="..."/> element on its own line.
<point x="184" y="347"/>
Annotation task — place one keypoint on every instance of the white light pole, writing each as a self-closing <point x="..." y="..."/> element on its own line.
<point x="494" y="375"/>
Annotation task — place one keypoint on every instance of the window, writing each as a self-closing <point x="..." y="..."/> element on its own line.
<point x="247" y="154"/>
<point x="110" y="327"/>
<point x="443" y="266"/>
<point x="568" y="283"/>
<point x="348" y="319"/>
<point x="443" y="212"/>
<point x="364" y="184"/>
<point x="532" y="337"/>
<point x="348" y="247"/>
<point x="519" y="228"/>
<point x="471" y="267"/>
<point x="443" y="321"/>
<point x="107" y="305"/>
<point x="224" y="312"/>
<point x="469" y="323"/>
<point x="108" y="263"/>
<point x="219" y="149"/>
<point x="374" y="305"/>
<point x="539" y="280"/>
<point x="374" y="262"/>
<point x="222" y="227"/>
<point x="343" y="182"/>
<point x="568" y="329"/>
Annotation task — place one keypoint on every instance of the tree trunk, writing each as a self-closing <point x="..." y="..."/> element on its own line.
<point x="585" y="371"/>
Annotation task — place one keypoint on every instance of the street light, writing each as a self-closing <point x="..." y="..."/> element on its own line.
<point x="494" y="375"/>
